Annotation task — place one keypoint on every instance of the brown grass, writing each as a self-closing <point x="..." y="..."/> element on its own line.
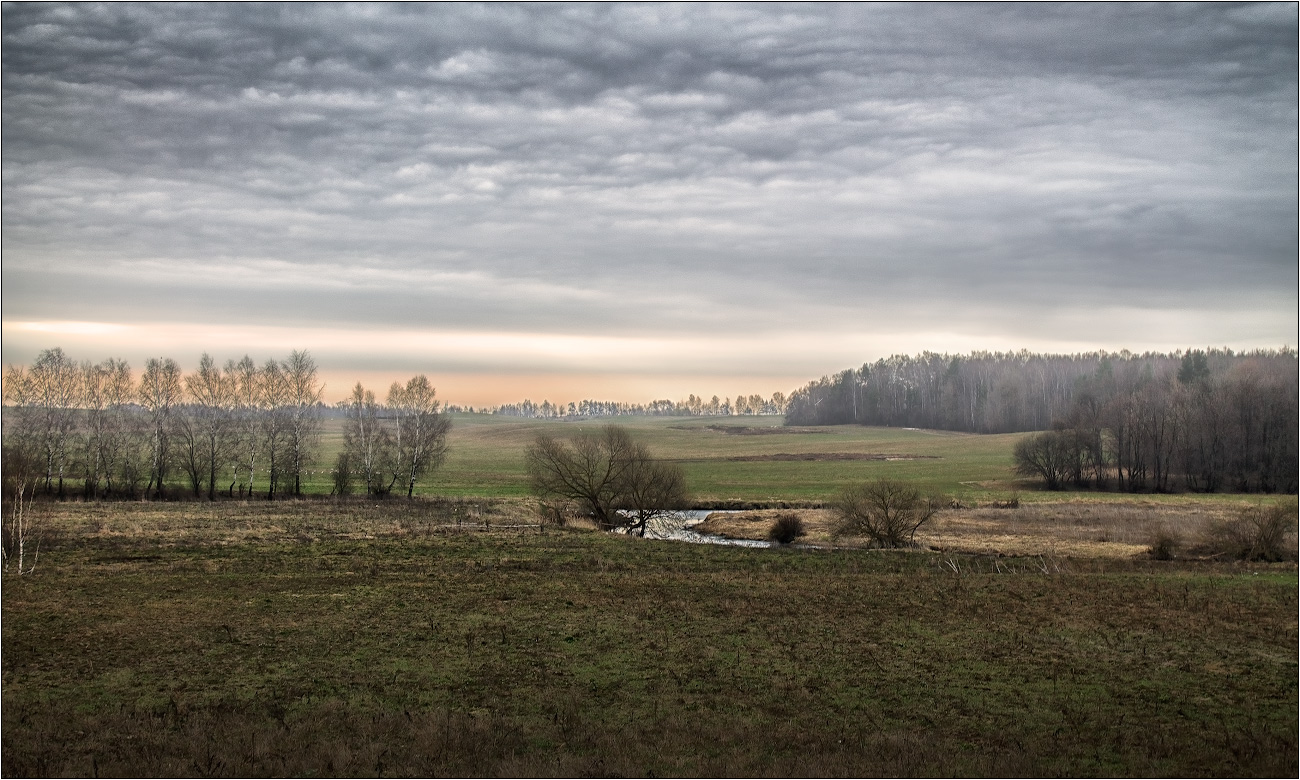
<point x="1075" y="529"/>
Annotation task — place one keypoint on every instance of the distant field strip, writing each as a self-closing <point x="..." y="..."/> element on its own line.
<point x="749" y="459"/>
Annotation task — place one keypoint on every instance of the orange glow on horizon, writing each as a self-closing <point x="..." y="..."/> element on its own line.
<point x="480" y="390"/>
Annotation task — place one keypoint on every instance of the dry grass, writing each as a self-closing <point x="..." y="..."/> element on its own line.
<point x="1075" y="529"/>
<point x="262" y="522"/>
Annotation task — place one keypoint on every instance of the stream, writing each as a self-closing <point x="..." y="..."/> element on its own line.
<point x="677" y="526"/>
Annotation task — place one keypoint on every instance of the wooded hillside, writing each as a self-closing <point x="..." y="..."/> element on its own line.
<point x="1214" y="419"/>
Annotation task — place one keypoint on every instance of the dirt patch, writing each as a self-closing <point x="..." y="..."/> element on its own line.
<point x="811" y="456"/>
<point x="747" y="430"/>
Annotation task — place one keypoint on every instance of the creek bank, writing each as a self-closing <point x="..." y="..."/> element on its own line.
<point x="736" y="505"/>
<point x="681" y="527"/>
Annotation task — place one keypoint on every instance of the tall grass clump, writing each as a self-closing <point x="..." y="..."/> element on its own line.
<point x="1164" y="544"/>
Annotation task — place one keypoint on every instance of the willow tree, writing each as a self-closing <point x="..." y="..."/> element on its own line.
<point x="607" y="477"/>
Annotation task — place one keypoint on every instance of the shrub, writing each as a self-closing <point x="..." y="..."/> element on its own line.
<point x="557" y="514"/>
<point x="886" y="511"/>
<point x="786" y="529"/>
<point x="341" y="475"/>
<point x="1257" y="534"/>
<point x="1164" y="544"/>
<point x="1049" y="455"/>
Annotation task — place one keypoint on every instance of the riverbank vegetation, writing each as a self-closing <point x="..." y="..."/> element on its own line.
<point x="428" y="637"/>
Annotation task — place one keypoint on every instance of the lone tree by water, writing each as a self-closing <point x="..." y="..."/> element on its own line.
<point x="606" y="477"/>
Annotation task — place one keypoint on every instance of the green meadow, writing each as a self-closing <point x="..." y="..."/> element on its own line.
<point x="727" y="458"/>
<point x="740" y="459"/>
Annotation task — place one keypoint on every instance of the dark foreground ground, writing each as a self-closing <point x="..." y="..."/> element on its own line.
<point x="285" y="648"/>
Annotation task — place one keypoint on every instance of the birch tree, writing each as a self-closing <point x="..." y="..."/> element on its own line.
<point x="303" y="395"/>
<point x="245" y="384"/>
<point x="421" y="431"/>
<point x="366" y="439"/>
<point x="212" y="396"/>
<point x="159" y="394"/>
<point x="46" y="398"/>
<point x="273" y="422"/>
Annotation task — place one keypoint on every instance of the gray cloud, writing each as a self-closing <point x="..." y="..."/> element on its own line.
<point x="994" y="169"/>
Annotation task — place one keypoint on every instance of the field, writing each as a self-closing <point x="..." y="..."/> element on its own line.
<point x="454" y="635"/>
<point x="746" y="459"/>
<point x="736" y="458"/>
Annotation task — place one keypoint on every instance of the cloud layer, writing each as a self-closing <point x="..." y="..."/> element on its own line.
<point x="1110" y="176"/>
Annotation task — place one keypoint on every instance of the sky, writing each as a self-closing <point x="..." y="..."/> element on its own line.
<point x="639" y="201"/>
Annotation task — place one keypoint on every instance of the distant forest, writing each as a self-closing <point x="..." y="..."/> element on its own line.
<point x="692" y="406"/>
<point x="1201" y="420"/>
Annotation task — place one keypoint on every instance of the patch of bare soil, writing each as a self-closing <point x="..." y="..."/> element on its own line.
<point x="747" y="430"/>
<point x="1065" y="529"/>
<point x="830" y="456"/>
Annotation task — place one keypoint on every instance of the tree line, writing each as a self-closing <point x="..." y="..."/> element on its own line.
<point x="241" y="429"/>
<point x="1204" y="424"/>
<point x="1201" y="420"/>
<point x="692" y="406"/>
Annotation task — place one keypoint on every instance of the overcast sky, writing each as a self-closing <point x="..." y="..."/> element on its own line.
<point x="640" y="201"/>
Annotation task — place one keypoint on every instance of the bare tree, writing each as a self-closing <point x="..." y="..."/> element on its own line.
<point x="246" y="383"/>
<point x="1049" y="455"/>
<point x="366" y="440"/>
<point x="97" y="404"/>
<point x="303" y="398"/>
<point x="46" y="399"/>
<point x="607" y="477"/>
<point x="273" y="422"/>
<point x="159" y="394"/>
<point x="212" y="396"/>
<point x="112" y="424"/>
<point x="19" y="531"/>
<point x="886" y="511"/>
<point x="421" y="429"/>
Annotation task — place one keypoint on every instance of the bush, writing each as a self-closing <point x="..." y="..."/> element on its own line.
<point x="1049" y="455"/>
<point x="1257" y="534"/>
<point x="342" y="475"/>
<point x="553" y="513"/>
<point x="886" y="511"/>
<point x="1164" y="544"/>
<point x="786" y="529"/>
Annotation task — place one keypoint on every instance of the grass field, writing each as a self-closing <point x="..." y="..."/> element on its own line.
<point x="732" y="459"/>
<point x="395" y="638"/>
<point x="486" y="456"/>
